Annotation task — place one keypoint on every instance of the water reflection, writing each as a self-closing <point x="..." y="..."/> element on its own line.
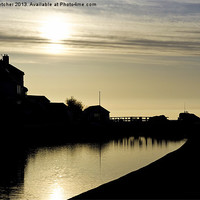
<point x="58" y="173"/>
<point x="11" y="171"/>
<point x="141" y="142"/>
<point x="57" y="193"/>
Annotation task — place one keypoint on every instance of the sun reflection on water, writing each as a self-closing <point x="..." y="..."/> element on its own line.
<point x="57" y="193"/>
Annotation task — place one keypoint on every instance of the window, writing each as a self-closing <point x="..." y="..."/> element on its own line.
<point x="19" y="89"/>
<point x="96" y="116"/>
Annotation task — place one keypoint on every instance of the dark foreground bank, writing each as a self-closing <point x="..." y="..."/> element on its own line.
<point x="175" y="176"/>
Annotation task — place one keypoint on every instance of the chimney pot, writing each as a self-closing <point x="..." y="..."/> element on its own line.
<point x="6" y="58"/>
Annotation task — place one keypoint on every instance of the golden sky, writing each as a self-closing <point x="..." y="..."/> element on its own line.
<point x="142" y="55"/>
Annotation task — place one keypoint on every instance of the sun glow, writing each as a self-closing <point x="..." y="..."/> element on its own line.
<point x="55" y="48"/>
<point x="55" y="29"/>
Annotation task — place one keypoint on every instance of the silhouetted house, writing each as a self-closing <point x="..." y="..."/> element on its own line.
<point x="40" y="100"/>
<point x="35" y="108"/>
<point x="188" y="117"/>
<point x="58" y="112"/>
<point x="40" y="108"/>
<point x="160" y="118"/>
<point x="11" y="82"/>
<point x="15" y="104"/>
<point x="96" y="114"/>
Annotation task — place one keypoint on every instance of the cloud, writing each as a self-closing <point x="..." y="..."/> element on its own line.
<point x="153" y="8"/>
<point x="21" y="39"/>
<point x="128" y="26"/>
<point x="128" y="44"/>
<point x="111" y="43"/>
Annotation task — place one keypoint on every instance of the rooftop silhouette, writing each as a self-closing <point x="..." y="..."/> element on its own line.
<point x="21" y="109"/>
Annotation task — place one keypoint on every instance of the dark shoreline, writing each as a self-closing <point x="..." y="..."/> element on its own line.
<point x="175" y="176"/>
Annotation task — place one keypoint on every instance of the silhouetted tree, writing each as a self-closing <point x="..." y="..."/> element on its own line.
<point x="75" y="107"/>
<point x="74" y="104"/>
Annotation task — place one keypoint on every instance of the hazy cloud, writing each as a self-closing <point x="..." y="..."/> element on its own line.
<point x="98" y="28"/>
<point x="125" y="44"/>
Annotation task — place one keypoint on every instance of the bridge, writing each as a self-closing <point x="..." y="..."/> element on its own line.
<point x="129" y="119"/>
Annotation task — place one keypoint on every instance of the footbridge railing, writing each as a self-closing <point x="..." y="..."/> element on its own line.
<point x="129" y="119"/>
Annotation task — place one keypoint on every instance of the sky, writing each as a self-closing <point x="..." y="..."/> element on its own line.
<point x="143" y="55"/>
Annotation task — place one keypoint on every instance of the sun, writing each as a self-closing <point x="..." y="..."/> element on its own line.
<point x="55" y="29"/>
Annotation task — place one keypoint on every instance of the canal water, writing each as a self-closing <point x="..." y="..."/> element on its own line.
<point x="59" y="173"/>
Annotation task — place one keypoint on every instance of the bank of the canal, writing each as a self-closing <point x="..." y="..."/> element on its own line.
<point x="174" y="176"/>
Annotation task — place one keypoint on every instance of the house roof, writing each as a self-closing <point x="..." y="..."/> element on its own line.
<point x="96" y="108"/>
<point x="188" y="117"/>
<point x="9" y="72"/>
<point x="38" y="99"/>
<point x="10" y="68"/>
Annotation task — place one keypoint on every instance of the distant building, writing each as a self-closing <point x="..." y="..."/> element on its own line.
<point x="160" y="118"/>
<point x="96" y="114"/>
<point x="11" y="82"/>
<point x="188" y="117"/>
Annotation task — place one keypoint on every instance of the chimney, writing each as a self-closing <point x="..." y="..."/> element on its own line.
<point x="6" y="59"/>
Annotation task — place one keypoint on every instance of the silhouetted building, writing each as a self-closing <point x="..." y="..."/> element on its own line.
<point x="188" y="117"/>
<point x="160" y="118"/>
<point x="40" y="100"/>
<point x="11" y="82"/>
<point x="58" y="111"/>
<point x="16" y="106"/>
<point x="96" y="114"/>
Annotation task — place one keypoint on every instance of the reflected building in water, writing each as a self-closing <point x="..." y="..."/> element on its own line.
<point x="13" y="163"/>
<point x="140" y="142"/>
